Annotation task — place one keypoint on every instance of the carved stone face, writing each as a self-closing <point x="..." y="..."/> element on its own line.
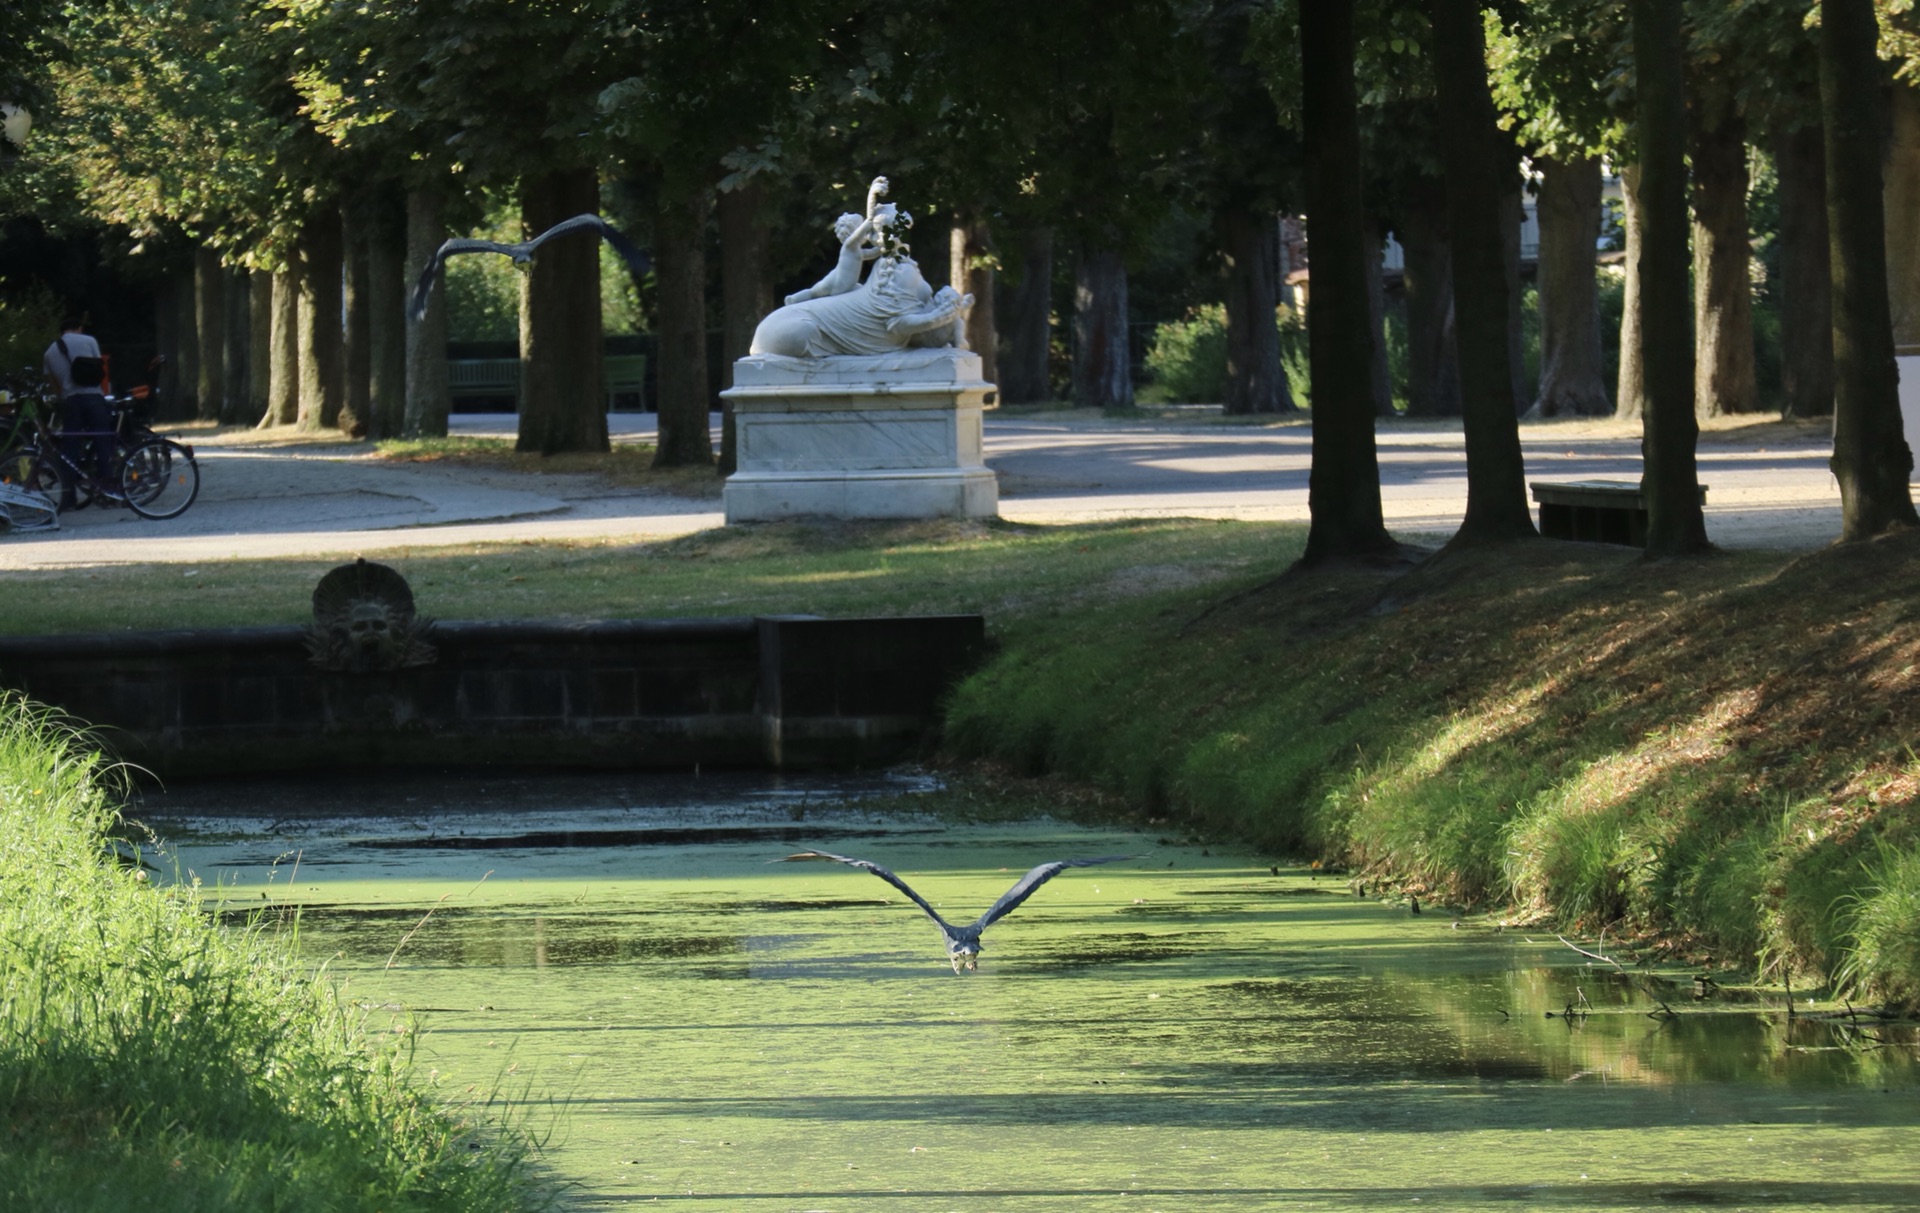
<point x="369" y="624"/>
<point x="844" y="225"/>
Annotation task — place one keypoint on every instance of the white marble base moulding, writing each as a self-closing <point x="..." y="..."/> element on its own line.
<point x="882" y="436"/>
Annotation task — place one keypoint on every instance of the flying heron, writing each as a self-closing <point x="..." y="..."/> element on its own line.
<point x="523" y="253"/>
<point x="963" y="943"/>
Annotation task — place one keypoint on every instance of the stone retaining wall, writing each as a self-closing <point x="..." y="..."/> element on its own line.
<point x="788" y="692"/>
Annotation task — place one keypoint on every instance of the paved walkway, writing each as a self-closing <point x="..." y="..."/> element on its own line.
<point x="273" y="496"/>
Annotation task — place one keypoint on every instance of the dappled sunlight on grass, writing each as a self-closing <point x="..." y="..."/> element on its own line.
<point x="1598" y="737"/>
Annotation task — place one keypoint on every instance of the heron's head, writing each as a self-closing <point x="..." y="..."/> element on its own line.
<point x="965" y="954"/>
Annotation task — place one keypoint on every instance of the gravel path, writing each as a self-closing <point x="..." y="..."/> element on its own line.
<point x="285" y="495"/>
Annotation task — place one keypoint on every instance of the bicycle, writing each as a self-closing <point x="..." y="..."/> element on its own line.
<point x="156" y="478"/>
<point x="153" y="476"/>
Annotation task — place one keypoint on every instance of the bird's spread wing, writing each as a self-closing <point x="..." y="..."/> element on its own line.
<point x="635" y="259"/>
<point x="883" y="874"/>
<point x="423" y="289"/>
<point x="1023" y="889"/>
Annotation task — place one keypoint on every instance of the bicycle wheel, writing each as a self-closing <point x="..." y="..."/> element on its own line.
<point x="160" y="479"/>
<point x="28" y="467"/>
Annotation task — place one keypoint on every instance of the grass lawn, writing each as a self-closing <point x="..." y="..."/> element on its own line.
<point x="1005" y="571"/>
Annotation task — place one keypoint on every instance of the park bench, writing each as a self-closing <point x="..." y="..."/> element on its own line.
<point x="484" y="379"/>
<point x="499" y="379"/>
<point x="1595" y="511"/>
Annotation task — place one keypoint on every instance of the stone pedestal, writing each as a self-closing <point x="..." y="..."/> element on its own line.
<point x="878" y="436"/>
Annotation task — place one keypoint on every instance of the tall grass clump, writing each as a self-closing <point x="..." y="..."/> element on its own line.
<point x="151" y="1059"/>
<point x="1885" y="956"/>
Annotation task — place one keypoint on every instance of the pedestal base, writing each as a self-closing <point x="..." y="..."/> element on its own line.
<point x="888" y="436"/>
<point x="768" y="496"/>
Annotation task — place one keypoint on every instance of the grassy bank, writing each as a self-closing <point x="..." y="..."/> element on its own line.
<point x="1716" y="753"/>
<point x="151" y="1060"/>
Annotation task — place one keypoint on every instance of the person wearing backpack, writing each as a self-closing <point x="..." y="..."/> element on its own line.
<point x="76" y="369"/>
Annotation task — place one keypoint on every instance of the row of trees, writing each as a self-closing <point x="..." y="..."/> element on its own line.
<point x="313" y="153"/>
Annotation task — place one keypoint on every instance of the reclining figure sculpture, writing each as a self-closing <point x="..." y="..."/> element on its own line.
<point x="893" y="309"/>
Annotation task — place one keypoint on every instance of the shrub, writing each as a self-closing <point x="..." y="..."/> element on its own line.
<point x="1187" y="358"/>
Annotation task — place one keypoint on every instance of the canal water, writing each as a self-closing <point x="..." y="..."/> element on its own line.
<point x="685" y="1022"/>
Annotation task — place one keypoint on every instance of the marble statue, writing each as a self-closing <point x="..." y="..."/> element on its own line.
<point x="894" y="309"/>
<point x="861" y="240"/>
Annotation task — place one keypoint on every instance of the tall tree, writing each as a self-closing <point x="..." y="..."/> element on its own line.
<point x="1344" y="485"/>
<point x="1871" y="458"/>
<point x="1026" y="334"/>
<point x="1630" y="392"/>
<point x="1669" y="481"/>
<point x="210" y="326"/>
<point x="562" y="380"/>
<point x="1553" y="64"/>
<point x="1475" y="169"/>
<point x="1806" y="273"/>
<point x="321" y="341"/>
<point x="1725" y="379"/>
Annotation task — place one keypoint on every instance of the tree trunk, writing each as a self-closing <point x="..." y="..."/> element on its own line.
<point x="1027" y="343"/>
<point x="181" y="296"/>
<point x="1903" y="217"/>
<point x="210" y="331"/>
<point x="429" y="398"/>
<point x="746" y="287"/>
<point x="1513" y="215"/>
<point x="1572" y="382"/>
<point x="1477" y="170"/>
<point x="356" y="356"/>
<point x="680" y="269"/>
<point x="1379" y="368"/>
<point x="1102" y="365"/>
<point x="322" y="361"/>
<point x="1249" y="241"/>
<point x="970" y="270"/>
<point x="175" y="385"/>
<point x="1433" y="360"/>
<point x="1805" y="288"/>
<point x="236" y="385"/>
<point x="1343" y="497"/>
<point x="1669" y="482"/>
<point x="1871" y="458"/>
<point x="283" y="351"/>
<point x="1630" y="394"/>
<point x="260" y="288"/>
<point x="387" y="318"/>
<point x="1724" y="379"/>
<point x="563" y="395"/>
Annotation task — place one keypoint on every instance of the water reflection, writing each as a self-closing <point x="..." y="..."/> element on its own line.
<point x="1191" y="1032"/>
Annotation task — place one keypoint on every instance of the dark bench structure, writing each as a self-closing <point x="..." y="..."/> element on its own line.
<point x="1595" y="511"/>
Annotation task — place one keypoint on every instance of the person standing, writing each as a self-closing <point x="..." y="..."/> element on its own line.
<point x="76" y="369"/>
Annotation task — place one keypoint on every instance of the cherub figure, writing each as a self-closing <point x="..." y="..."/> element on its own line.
<point x="860" y="242"/>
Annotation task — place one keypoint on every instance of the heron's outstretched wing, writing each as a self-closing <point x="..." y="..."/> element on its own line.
<point x="1023" y="889"/>
<point x="423" y="289"/>
<point x="635" y="259"/>
<point x="883" y="874"/>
